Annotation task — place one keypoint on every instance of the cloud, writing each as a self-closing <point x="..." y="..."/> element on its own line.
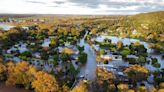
<point x="36" y="2"/>
<point x="81" y="6"/>
<point x="59" y="2"/>
<point x="86" y="3"/>
<point x="112" y="6"/>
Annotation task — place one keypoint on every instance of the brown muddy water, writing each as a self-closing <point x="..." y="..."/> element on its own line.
<point x="4" y="88"/>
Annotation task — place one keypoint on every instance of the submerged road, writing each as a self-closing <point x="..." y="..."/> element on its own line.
<point x="89" y="70"/>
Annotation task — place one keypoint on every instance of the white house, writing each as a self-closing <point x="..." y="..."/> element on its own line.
<point x="111" y="57"/>
<point x="132" y="56"/>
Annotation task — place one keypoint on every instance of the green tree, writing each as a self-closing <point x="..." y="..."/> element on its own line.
<point x="141" y="59"/>
<point x="82" y="58"/>
<point x="126" y="51"/>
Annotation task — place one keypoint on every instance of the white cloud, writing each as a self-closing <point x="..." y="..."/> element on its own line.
<point x="80" y="6"/>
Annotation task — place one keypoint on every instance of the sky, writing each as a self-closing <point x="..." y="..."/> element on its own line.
<point x="84" y="7"/>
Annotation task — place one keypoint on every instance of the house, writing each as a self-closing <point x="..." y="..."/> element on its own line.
<point x="117" y="57"/>
<point x="111" y="57"/>
<point x="46" y="43"/>
<point x="37" y="55"/>
<point x="25" y="28"/>
<point x="32" y="44"/>
<point x="132" y="56"/>
<point x="106" y="57"/>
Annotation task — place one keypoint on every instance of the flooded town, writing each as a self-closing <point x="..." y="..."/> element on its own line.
<point x="82" y="52"/>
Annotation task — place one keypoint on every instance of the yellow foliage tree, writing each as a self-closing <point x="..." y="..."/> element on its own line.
<point x="123" y="87"/>
<point x="11" y="78"/>
<point x="68" y="51"/>
<point x="137" y="72"/>
<point x="161" y="85"/>
<point x="161" y="90"/>
<point x="21" y="73"/>
<point x="141" y="89"/>
<point x="45" y="83"/>
<point x="80" y="88"/>
<point x="2" y="71"/>
<point x="103" y="74"/>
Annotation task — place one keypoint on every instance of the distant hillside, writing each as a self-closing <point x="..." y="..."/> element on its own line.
<point x="149" y="19"/>
<point x="148" y="26"/>
<point x="16" y="15"/>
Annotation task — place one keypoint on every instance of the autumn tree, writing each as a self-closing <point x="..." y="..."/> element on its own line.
<point x="64" y="88"/>
<point x="45" y="82"/>
<point x="82" y="87"/>
<point x="161" y="90"/>
<point x="68" y="51"/>
<point x="141" y="89"/>
<point x="21" y="73"/>
<point x="137" y="72"/>
<point x="123" y="87"/>
<point x="11" y="78"/>
<point x="119" y="45"/>
<point x="111" y="88"/>
<point x="103" y="74"/>
<point x="2" y="71"/>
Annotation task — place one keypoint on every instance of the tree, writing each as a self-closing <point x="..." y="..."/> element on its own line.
<point x="155" y="63"/>
<point x="2" y="71"/>
<point x="11" y="78"/>
<point x="137" y="72"/>
<point x="82" y="87"/>
<point x="161" y="90"/>
<point x="111" y="88"/>
<point x="141" y="89"/>
<point x="119" y="45"/>
<point x="94" y="31"/>
<point x="51" y="61"/>
<point x="65" y="88"/>
<point x="68" y="51"/>
<point x="161" y="85"/>
<point x="21" y="73"/>
<point x="45" y="83"/>
<point x="82" y="58"/>
<point x="27" y="54"/>
<point x="156" y="47"/>
<point x="123" y="87"/>
<point x="141" y="59"/>
<point x="80" y="48"/>
<point x="125" y="51"/>
<point x="153" y="89"/>
<point x="53" y="42"/>
<point x="98" y="59"/>
<point x="102" y="51"/>
<point x="65" y="57"/>
<point x="103" y="74"/>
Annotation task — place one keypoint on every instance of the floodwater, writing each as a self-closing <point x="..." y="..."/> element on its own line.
<point x="127" y="41"/>
<point x="4" y="88"/>
<point x="6" y="27"/>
